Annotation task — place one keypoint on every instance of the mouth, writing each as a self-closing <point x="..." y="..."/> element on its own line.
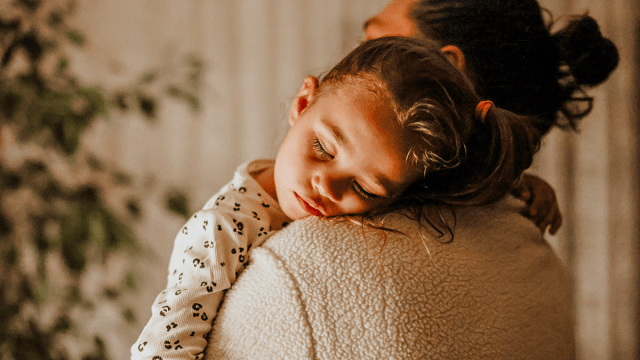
<point x="307" y="207"/>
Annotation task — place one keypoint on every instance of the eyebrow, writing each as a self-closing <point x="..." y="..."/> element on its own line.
<point x="337" y="134"/>
<point x="342" y="141"/>
<point x="387" y="193"/>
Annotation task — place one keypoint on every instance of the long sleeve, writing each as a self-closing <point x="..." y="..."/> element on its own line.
<point x="209" y="252"/>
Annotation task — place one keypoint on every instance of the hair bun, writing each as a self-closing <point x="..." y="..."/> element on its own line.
<point x="590" y="56"/>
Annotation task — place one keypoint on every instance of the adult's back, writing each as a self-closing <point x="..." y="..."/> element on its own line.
<point x="319" y="289"/>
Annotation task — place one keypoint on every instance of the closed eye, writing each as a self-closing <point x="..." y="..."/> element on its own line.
<point x="362" y="192"/>
<point x="317" y="145"/>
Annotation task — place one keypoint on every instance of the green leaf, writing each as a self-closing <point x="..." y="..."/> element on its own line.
<point x="177" y="202"/>
<point x="52" y="190"/>
<point x="120" y="99"/>
<point x="95" y="99"/>
<point x="55" y="18"/>
<point x="174" y="91"/>
<point x="130" y="281"/>
<point x="111" y="293"/>
<point x="197" y="68"/>
<point x="10" y="257"/>
<point x="100" y="350"/>
<point x="193" y="101"/>
<point x="98" y="231"/>
<point x="10" y="180"/>
<point x="129" y="315"/>
<point x="74" y="233"/>
<point x="148" y="106"/>
<point x="35" y="167"/>
<point x="63" y="324"/>
<point x="33" y="45"/>
<point x="122" y="178"/>
<point x="40" y="239"/>
<point x="76" y="37"/>
<point x="9" y="26"/>
<point x="119" y="235"/>
<point x="74" y="296"/>
<point x="25" y="290"/>
<point x="134" y="209"/>
<point x="63" y="65"/>
<point x="41" y="291"/>
<point x="55" y="103"/>
<point x="70" y="135"/>
<point x="95" y="163"/>
<point x="30" y="5"/>
<point x="9" y="102"/>
<point x="178" y="93"/>
<point x="149" y="77"/>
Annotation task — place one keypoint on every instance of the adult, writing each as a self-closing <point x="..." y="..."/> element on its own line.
<point x="508" y="51"/>
<point x="324" y="288"/>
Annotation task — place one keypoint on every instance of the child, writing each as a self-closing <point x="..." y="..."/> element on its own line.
<point x="394" y="125"/>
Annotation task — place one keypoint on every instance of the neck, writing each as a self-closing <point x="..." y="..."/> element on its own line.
<point x="266" y="181"/>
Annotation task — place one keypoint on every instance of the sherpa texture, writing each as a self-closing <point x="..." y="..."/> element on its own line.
<point x="323" y="289"/>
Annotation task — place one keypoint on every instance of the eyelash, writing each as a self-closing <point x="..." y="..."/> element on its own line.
<point x="317" y="145"/>
<point x="321" y="151"/>
<point x="362" y="192"/>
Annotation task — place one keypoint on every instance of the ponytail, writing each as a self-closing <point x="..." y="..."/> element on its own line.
<point x="586" y="59"/>
<point x="510" y="142"/>
<point x="493" y="156"/>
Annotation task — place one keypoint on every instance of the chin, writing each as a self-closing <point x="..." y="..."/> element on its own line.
<point x="296" y="214"/>
<point x="289" y="207"/>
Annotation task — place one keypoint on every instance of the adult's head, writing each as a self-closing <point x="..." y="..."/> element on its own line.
<point x="507" y="49"/>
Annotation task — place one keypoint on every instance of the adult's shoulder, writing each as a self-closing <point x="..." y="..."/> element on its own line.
<point x="496" y="290"/>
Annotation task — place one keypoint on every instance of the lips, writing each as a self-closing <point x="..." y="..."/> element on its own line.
<point x="307" y="207"/>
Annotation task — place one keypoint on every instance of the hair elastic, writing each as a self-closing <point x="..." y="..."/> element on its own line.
<point x="482" y="109"/>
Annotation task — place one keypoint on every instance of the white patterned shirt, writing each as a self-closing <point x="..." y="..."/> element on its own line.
<point x="209" y="253"/>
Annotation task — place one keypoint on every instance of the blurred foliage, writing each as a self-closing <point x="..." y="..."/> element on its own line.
<point x="177" y="202"/>
<point x="54" y="224"/>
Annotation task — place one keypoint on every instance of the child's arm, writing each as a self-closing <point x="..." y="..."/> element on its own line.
<point x="541" y="200"/>
<point x="210" y="249"/>
<point x="209" y="252"/>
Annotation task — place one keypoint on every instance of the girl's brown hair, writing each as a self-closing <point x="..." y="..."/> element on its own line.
<point x="465" y="161"/>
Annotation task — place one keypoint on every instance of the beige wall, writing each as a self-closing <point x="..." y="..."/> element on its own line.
<point x="595" y="173"/>
<point x="258" y="52"/>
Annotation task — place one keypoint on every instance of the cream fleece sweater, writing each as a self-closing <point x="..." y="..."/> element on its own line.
<point x="319" y="289"/>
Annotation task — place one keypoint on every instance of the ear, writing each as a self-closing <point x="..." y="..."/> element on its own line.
<point x="303" y="98"/>
<point x="455" y="56"/>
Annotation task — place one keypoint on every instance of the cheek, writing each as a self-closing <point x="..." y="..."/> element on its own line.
<point x="354" y="204"/>
<point x="289" y="165"/>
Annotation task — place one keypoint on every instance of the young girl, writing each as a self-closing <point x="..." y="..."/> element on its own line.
<point x="393" y="125"/>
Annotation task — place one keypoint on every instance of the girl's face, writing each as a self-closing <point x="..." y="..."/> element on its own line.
<point x="344" y="154"/>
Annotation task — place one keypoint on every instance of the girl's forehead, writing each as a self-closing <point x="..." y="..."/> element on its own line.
<point x="362" y="129"/>
<point x="365" y="87"/>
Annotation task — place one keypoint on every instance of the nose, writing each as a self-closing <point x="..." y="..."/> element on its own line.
<point x="330" y="185"/>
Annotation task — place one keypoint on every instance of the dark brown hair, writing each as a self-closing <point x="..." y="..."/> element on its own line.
<point x="515" y="60"/>
<point x="465" y="161"/>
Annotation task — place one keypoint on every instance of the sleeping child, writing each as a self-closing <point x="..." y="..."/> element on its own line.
<point x="393" y="126"/>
